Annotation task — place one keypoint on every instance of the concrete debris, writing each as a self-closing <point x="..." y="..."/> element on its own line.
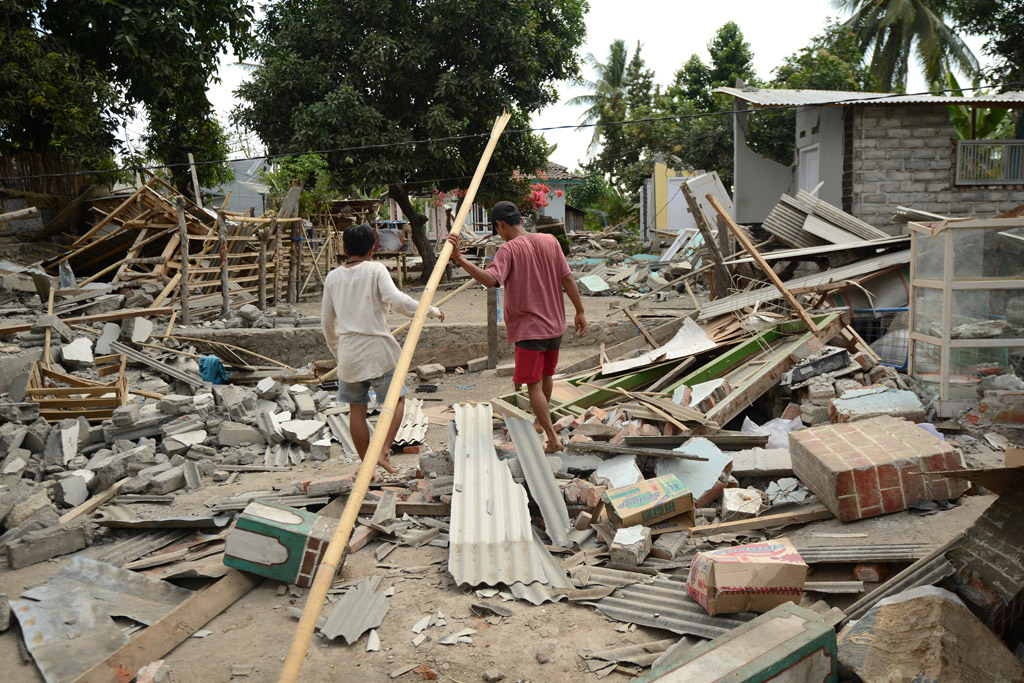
<point x="631" y="546"/>
<point x="425" y="372"/>
<point x="924" y="633"/>
<point x="864" y="404"/>
<point x="78" y="354"/>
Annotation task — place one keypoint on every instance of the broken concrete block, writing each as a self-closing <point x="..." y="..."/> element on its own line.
<point x="740" y="503"/>
<point x="154" y="672"/>
<point x="250" y="312"/>
<point x="429" y="371"/>
<point x="11" y="436"/>
<point x="125" y="416"/>
<point x="27" y="506"/>
<point x="321" y="450"/>
<point x="237" y="434"/>
<point x="631" y="545"/>
<point x="303" y="432"/>
<point x="270" y="425"/>
<point x="238" y="401"/>
<point x="41" y="545"/>
<point x="477" y="364"/>
<point x="326" y="486"/>
<point x="505" y="369"/>
<point x="667" y="546"/>
<point x="811" y="414"/>
<point x="268" y="388"/>
<point x="78" y="354"/>
<point x="864" y="404"/>
<point x="176" y="404"/>
<point x="183" y="442"/>
<point x="989" y="575"/>
<point x="305" y="407"/>
<point x="787" y="639"/>
<point x="705" y="479"/>
<point x="5" y="613"/>
<point x="168" y="481"/>
<point x="278" y="542"/>
<point x="58" y="330"/>
<point x="137" y="330"/>
<point x="619" y="471"/>
<point x="73" y="490"/>
<point x="111" y="333"/>
<point x="997" y="407"/>
<point x="19" y="412"/>
<point x="193" y="479"/>
<point x="872" y="467"/>
<point x="15" y="461"/>
<point x="924" y="634"/>
<point x="821" y="393"/>
<point x="761" y="462"/>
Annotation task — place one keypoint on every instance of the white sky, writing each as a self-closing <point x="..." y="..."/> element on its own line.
<point x="669" y="32"/>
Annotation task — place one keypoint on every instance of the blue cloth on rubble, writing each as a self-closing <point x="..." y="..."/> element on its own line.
<point x="212" y="370"/>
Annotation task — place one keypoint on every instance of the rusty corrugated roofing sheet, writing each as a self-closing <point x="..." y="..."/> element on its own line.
<point x="491" y="540"/>
<point x="545" y="492"/>
<point x="781" y="97"/>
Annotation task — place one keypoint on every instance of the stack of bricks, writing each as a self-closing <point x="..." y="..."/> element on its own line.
<point x="989" y="573"/>
<point x="873" y="467"/>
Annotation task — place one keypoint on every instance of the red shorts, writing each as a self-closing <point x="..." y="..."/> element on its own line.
<point x="535" y="359"/>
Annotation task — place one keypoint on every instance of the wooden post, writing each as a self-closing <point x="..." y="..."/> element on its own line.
<point x="49" y="330"/>
<point x="294" y="263"/>
<point x="277" y="271"/>
<point x="329" y="564"/>
<point x="762" y="264"/>
<point x="186" y="316"/>
<point x="722" y="280"/>
<point x="263" y="270"/>
<point x="195" y="181"/>
<point x="222" y="232"/>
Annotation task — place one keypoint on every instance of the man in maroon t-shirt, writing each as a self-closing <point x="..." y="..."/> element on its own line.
<point x="533" y="271"/>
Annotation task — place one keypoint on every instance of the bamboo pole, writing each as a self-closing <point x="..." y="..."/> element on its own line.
<point x="222" y="232"/>
<point x="263" y="271"/>
<point x="186" y="314"/>
<point x="461" y="288"/>
<point x="329" y="564"/>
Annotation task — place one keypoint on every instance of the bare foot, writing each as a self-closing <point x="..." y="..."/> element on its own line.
<point x="552" y="445"/>
<point x="376" y="475"/>
<point x="385" y="464"/>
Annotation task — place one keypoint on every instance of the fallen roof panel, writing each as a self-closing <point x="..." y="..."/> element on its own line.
<point x="545" y="492"/>
<point x="491" y="540"/>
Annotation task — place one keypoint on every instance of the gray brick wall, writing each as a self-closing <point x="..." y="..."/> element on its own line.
<point x="904" y="155"/>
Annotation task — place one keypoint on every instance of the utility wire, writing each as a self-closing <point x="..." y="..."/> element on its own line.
<point x="454" y="138"/>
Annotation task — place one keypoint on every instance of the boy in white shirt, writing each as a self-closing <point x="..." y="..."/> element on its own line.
<point x="354" y="319"/>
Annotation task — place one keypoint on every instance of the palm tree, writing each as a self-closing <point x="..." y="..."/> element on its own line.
<point x="607" y="90"/>
<point x="895" y="29"/>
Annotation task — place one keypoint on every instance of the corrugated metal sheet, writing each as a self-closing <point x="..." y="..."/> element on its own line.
<point x="537" y="593"/>
<point x="779" y="97"/>
<point x="824" y="249"/>
<point x="839" y="218"/>
<point x="545" y="492"/>
<point x="491" y="540"/>
<point x="895" y="552"/>
<point x="850" y="271"/>
<point x="139" y="544"/>
<point x="786" y="222"/>
<point x="359" y="610"/>
<point x="414" y="424"/>
<point x="339" y="425"/>
<point x="664" y="604"/>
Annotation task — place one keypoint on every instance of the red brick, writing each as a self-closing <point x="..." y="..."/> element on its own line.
<point x="563" y="423"/>
<point x="582" y="521"/>
<point x="866" y="482"/>
<point x="844" y="484"/>
<point x="791" y="412"/>
<point x="848" y="509"/>
<point x="892" y="500"/>
<point x="594" y="411"/>
<point x="933" y="463"/>
<point x="591" y="496"/>
<point x="579" y="438"/>
<point x="871" y="511"/>
<point x="938" y="488"/>
<point x="871" y="572"/>
<point x="629" y="430"/>
<point x="571" y="493"/>
<point x="912" y="482"/>
<point x="360" y="537"/>
<point x="649" y="430"/>
<point x="888" y="476"/>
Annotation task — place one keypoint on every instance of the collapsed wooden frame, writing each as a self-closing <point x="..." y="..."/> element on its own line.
<point x="61" y="396"/>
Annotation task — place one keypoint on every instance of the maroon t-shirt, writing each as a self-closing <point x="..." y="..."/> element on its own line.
<point x="531" y="268"/>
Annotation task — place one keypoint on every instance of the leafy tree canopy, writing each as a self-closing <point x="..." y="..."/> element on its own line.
<point x="347" y="73"/>
<point x="1003" y="22"/>
<point x="107" y="57"/>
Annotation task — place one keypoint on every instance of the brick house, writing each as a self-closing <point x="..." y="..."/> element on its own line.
<point x="873" y="152"/>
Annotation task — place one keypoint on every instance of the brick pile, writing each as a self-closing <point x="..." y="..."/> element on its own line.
<point x="873" y="467"/>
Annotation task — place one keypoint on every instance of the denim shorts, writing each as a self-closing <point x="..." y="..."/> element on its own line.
<point x="359" y="392"/>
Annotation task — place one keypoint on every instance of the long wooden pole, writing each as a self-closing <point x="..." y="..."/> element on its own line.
<point x="186" y="314"/>
<point x="722" y="280"/>
<point x="762" y="264"/>
<point x="225" y="280"/>
<point x="329" y="564"/>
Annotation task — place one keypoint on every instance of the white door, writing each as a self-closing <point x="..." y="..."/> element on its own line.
<point x="807" y="168"/>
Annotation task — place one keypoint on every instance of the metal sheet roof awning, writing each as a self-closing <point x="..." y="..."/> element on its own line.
<point x="781" y="97"/>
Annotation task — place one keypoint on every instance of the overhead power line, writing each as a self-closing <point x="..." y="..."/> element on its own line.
<point x="454" y="138"/>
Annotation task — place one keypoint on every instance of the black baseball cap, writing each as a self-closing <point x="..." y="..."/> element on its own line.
<point x="502" y="211"/>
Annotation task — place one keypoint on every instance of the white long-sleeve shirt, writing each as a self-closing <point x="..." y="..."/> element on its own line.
<point x="354" y="319"/>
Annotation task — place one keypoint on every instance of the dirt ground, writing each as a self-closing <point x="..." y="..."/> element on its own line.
<point x="258" y="628"/>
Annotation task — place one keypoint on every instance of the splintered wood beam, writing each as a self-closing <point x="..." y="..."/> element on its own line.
<point x="813" y="514"/>
<point x="762" y="264"/>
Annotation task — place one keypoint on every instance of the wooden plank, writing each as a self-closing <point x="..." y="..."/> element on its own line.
<point x="640" y="328"/>
<point x="173" y="629"/>
<point x="813" y="514"/>
<point x="762" y="264"/>
<point x="619" y="449"/>
<point x="97" y="318"/>
<point x="721" y="280"/>
<point x="663" y="332"/>
<point x="402" y="507"/>
<point x="93" y="503"/>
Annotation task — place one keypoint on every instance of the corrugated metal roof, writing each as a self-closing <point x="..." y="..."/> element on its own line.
<point x="786" y="222"/>
<point x="537" y="593"/>
<point x="543" y="489"/>
<point x="850" y="271"/>
<point x="664" y="604"/>
<point x="780" y="97"/>
<point x="839" y="218"/>
<point x="359" y="610"/>
<point x="341" y="429"/>
<point x="824" y="249"/>
<point x="491" y="540"/>
<point x="893" y="552"/>
<point x="414" y="424"/>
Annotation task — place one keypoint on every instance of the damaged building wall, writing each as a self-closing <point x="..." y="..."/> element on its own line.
<point x="819" y="132"/>
<point x="758" y="181"/>
<point x="906" y="155"/>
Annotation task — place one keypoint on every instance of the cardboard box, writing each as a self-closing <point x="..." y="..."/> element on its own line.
<point x="1014" y="457"/>
<point x="650" y="501"/>
<point x="683" y="522"/>
<point x="747" y="578"/>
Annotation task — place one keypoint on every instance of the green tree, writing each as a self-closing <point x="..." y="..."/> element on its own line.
<point x="160" y="55"/>
<point x="895" y="30"/>
<point x="831" y="61"/>
<point x="731" y="58"/>
<point x="607" y="90"/>
<point x="977" y="123"/>
<point x="350" y="73"/>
